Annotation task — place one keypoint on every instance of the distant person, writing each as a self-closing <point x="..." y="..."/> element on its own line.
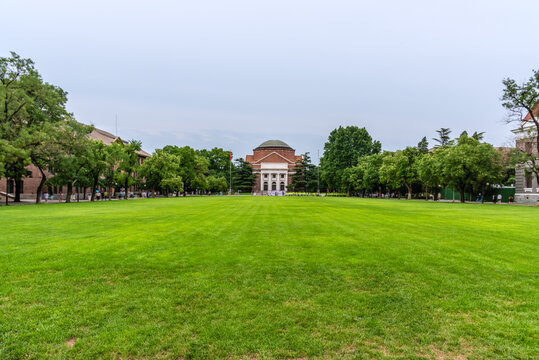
<point x="493" y="198"/>
<point x="499" y="198"/>
<point x="46" y="197"/>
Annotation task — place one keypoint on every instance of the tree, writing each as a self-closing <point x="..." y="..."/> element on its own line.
<point x="172" y="184"/>
<point x="305" y="177"/>
<point x="3" y="152"/>
<point x="430" y="169"/>
<point x="68" y="165"/>
<point x="522" y="103"/>
<point x="342" y="150"/>
<point x="353" y="178"/>
<point x="217" y="184"/>
<point x="443" y="137"/>
<point x="47" y="146"/>
<point x="423" y="145"/>
<point x="128" y="164"/>
<point x="96" y="164"/>
<point x="191" y="179"/>
<point x="470" y="165"/>
<point x="478" y="135"/>
<point x="161" y="172"/>
<point x="113" y="157"/>
<point x="218" y="162"/>
<point x="243" y="178"/>
<point x="200" y="170"/>
<point x="371" y="175"/>
<point x="26" y="105"/>
<point x="400" y="169"/>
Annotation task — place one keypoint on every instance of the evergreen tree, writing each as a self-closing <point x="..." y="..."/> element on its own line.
<point x="305" y="177"/>
<point x="243" y="178"/>
<point x="443" y="137"/>
<point x="423" y="145"/>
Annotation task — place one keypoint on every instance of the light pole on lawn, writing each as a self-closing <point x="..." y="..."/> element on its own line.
<point x="318" y="175"/>
<point x="230" y="168"/>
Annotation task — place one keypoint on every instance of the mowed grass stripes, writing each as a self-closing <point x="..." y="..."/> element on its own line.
<point x="269" y="278"/>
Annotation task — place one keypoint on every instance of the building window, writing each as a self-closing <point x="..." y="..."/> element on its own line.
<point x="282" y="176"/>
<point x="274" y="186"/>
<point x="265" y="176"/>
<point x="528" y="180"/>
<point x="11" y="186"/>
<point x="528" y="147"/>
<point x="265" y="186"/>
<point x="282" y="186"/>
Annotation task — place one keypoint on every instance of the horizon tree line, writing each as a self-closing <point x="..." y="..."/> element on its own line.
<point x="36" y="128"/>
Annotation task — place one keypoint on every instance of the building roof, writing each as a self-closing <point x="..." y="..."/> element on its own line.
<point x="107" y="139"/>
<point x="274" y="144"/>
<point x="535" y="113"/>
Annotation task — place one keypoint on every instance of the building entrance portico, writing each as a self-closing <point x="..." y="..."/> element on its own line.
<point x="275" y="178"/>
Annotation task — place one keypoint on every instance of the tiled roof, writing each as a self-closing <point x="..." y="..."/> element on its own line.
<point x="108" y="138"/>
<point x="535" y="112"/>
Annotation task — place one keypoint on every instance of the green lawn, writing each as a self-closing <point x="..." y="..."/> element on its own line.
<point x="269" y="277"/>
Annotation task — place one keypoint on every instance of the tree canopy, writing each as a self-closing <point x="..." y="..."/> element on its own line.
<point x="343" y="149"/>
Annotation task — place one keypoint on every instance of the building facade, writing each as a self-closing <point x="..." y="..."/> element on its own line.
<point x="526" y="185"/>
<point x="273" y="162"/>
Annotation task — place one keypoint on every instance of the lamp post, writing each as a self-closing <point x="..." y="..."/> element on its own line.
<point x="230" y="168"/>
<point x="318" y="175"/>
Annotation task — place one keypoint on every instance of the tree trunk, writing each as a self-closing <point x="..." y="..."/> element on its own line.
<point x="69" y="192"/>
<point x="94" y="187"/>
<point x="409" y="188"/>
<point x="110" y="192"/>
<point x="18" y="189"/>
<point x="461" y="194"/>
<point x="126" y="183"/>
<point x="40" y="186"/>
<point x="7" y="186"/>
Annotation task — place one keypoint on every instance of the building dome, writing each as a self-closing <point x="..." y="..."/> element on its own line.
<point x="274" y="144"/>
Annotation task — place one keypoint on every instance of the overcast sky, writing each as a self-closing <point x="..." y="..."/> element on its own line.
<point x="234" y="73"/>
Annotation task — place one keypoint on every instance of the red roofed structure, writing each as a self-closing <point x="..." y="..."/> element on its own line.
<point x="273" y="162"/>
<point x="528" y="116"/>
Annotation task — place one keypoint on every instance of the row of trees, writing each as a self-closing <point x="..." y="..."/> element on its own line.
<point x="36" y="128"/>
<point x="176" y="169"/>
<point x="466" y="164"/>
<point x="353" y="162"/>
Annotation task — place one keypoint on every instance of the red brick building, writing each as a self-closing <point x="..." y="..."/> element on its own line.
<point x="273" y="162"/>
<point x="30" y="183"/>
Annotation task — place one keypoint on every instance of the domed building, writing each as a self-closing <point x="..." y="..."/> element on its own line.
<point x="273" y="162"/>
